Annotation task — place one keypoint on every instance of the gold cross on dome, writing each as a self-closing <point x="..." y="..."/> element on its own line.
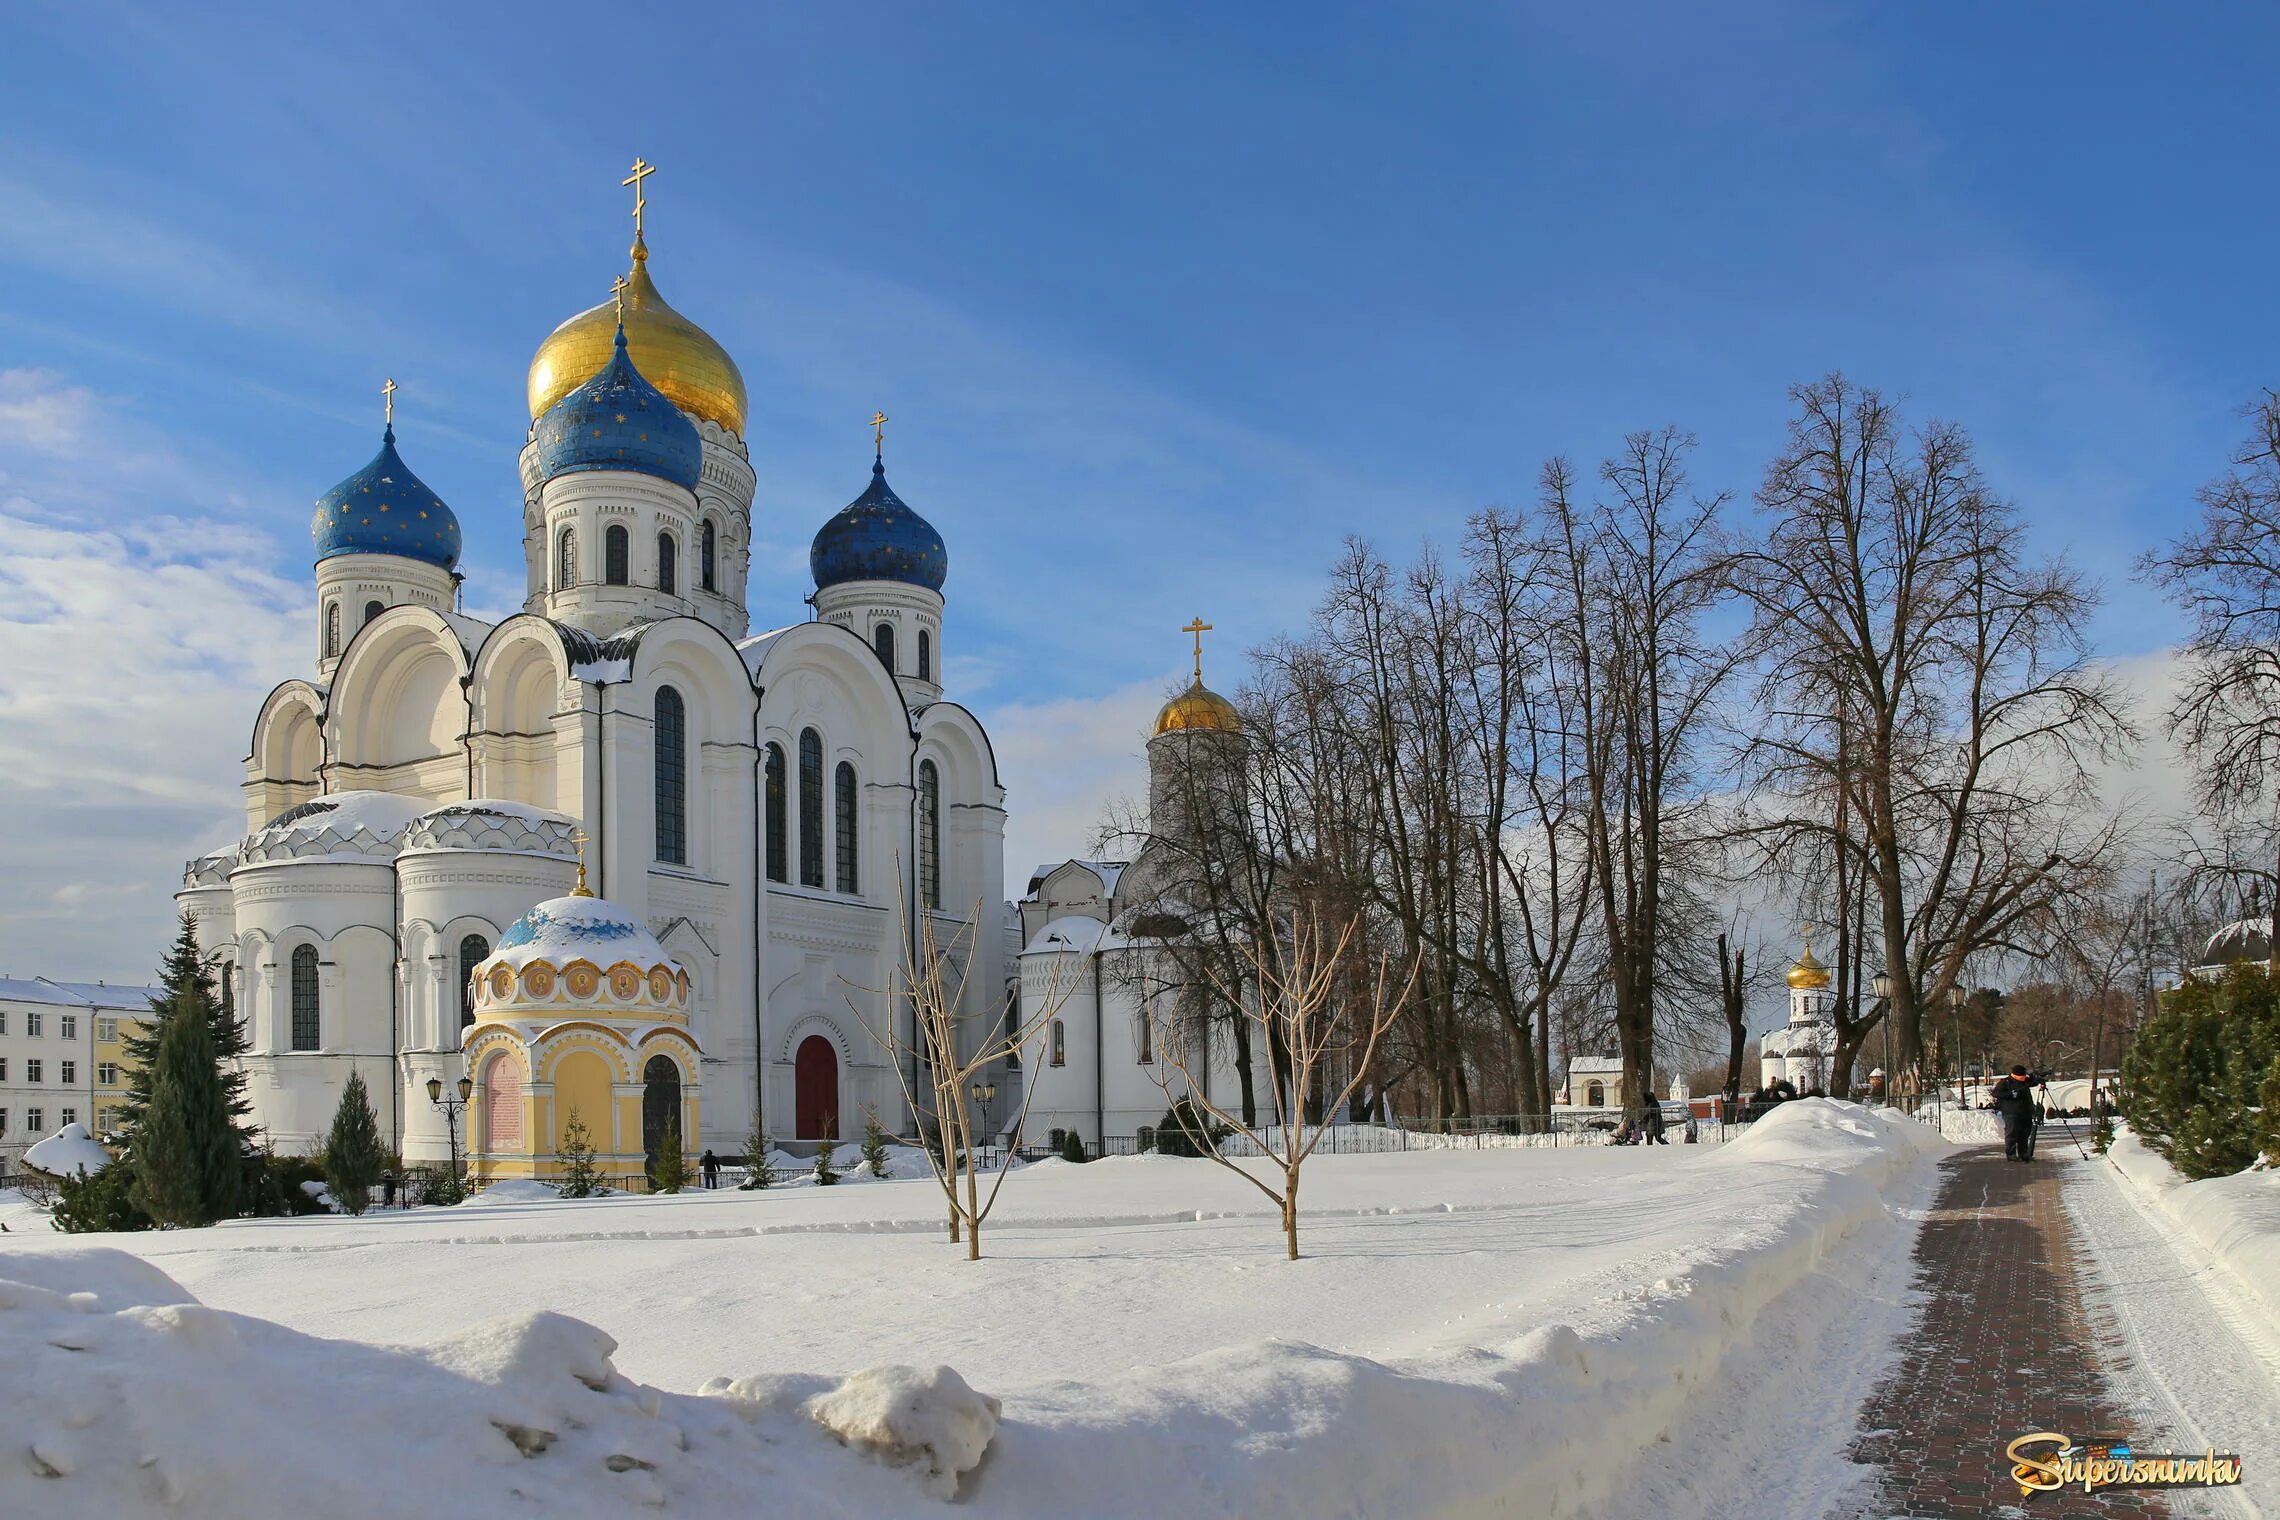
<point x="879" y="421"/>
<point x="1199" y="628"/>
<point x="618" y="288"/>
<point x="578" y="842"/>
<point x="642" y="169"/>
<point x="388" y="401"/>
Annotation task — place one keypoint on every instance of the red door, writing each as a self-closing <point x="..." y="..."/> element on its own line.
<point x="815" y="1077"/>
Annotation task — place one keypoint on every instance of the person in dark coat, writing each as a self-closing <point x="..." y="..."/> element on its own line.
<point x="709" y="1165"/>
<point x="1654" y="1130"/>
<point x="2015" y="1108"/>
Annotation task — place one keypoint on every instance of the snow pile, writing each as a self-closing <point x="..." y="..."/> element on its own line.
<point x="905" y="1163"/>
<point x="126" y="1398"/>
<point x="69" y="1152"/>
<point x="2235" y="1219"/>
<point x="516" y="1190"/>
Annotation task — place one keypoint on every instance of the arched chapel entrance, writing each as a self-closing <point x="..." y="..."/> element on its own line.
<point x="660" y="1108"/>
<point x="815" y="1078"/>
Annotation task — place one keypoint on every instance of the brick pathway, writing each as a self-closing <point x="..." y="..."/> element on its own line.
<point x="1996" y="1263"/>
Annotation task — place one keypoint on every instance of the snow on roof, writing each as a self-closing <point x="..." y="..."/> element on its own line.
<point x="40" y="989"/>
<point x="471" y="631"/>
<point x="1107" y="870"/>
<point x="497" y="807"/>
<point x="581" y="928"/>
<point x="1594" y="1063"/>
<point x="69" y="1152"/>
<point x="1073" y="934"/>
<point x="381" y="813"/>
<point x="755" y="649"/>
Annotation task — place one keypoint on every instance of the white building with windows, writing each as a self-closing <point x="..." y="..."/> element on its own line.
<point x="769" y="805"/>
<point x="56" y="1067"/>
<point x="1802" y="1051"/>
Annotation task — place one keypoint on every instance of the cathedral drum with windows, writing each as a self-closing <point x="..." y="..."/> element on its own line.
<point x="772" y="809"/>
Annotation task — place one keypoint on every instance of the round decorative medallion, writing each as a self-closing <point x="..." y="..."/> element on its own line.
<point x="583" y="979"/>
<point x="502" y="982"/>
<point x="660" y="984"/>
<point x="625" y="983"/>
<point x="538" y="979"/>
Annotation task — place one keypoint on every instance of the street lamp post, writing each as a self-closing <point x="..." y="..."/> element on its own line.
<point x="985" y="1093"/>
<point x="452" y="1109"/>
<point x="1881" y="985"/>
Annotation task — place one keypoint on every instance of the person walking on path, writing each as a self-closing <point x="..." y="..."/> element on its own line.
<point x="1654" y="1134"/>
<point x="709" y="1165"/>
<point x="2015" y="1108"/>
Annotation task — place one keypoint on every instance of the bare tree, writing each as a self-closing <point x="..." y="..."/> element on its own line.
<point x="933" y="985"/>
<point x="1640" y="572"/>
<point x="1324" y="1001"/>
<point x="1898" y="605"/>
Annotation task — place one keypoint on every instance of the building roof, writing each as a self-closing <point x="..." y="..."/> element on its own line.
<point x="617" y="420"/>
<point x="2248" y="939"/>
<point x="1594" y="1064"/>
<point x="123" y="996"/>
<point x="1107" y="870"/>
<point x="877" y="537"/>
<point x="564" y="929"/>
<point x="385" y="509"/>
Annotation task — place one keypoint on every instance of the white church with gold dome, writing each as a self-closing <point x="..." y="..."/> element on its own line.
<point x="1801" y="1051"/>
<point x="769" y="811"/>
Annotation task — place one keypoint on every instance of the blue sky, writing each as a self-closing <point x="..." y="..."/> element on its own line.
<point x="1164" y="301"/>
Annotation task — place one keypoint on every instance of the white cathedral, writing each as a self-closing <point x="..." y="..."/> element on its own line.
<point x="766" y="804"/>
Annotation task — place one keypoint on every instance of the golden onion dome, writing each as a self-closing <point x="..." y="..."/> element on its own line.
<point x="1199" y="707"/>
<point x="673" y="353"/>
<point x="1808" y="973"/>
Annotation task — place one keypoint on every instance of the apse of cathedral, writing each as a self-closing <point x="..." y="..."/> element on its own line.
<point x="769" y="812"/>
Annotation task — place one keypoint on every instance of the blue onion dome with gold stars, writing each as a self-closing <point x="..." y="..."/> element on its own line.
<point x="385" y="509"/>
<point x="877" y="537"/>
<point x="619" y="421"/>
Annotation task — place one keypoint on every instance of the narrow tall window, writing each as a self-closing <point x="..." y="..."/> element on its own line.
<point x="332" y="630"/>
<point x="883" y="640"/>
<point x="843" y="809"/>
<point x="1059" y="1055"/>
<point x="226" y="978"/>
<point x="811" y="808"/>
<point x="667" y="553"/>
<point x="777" y="853"/>
<point x="373" y="610"/>
<point x="617" y="555"/>
<point x="929" y="834"/>
<point x="1147" y="1022"/>
<point x="566" y="559"/>
<point x="672" y="779"/>
<point x="708" y="556"/>
<point x="473" y="951"/>
<point x="305" y="997"/>
<point x="925" y="655"/>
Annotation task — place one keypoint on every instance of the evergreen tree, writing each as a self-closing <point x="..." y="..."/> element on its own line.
<point x="579" y="1177"/>
<point x="825" y="1173"/>
<point x="354" y="1158"/>
<point x="759" y="1171"/>
<point x="670" y="1174"/>
<point x="100" y="1202"/>
<point x="1073" y="1147"/>
<point x="187" y="983"/>
<point x="2192" y="1081"/>
<point x="185" y="1154"/>
<point x="874" y="1143"/>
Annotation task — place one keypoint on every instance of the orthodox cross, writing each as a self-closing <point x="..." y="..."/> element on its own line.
<point x="879" y="422"/>
<point x="388" y="401"/>
<point x="578" y="842"/>
<point x="1199" y="628"/>
<point x="1808" y="932"/>
<point x="617" y="294"/>
<point x="642" y="169"/>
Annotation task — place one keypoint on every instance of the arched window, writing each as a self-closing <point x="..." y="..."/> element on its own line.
<point x="929" y="834"/>
<point x="843" y="820"/>
<point x="883" y="640"/>
<point x="672" y="777"/>
<point x="1594" y="1095"/>
<point x="1147" y="1037"/>
<point x="1059" y="1055"/>
<point x="811" y="808"/>
<point x="474" y="950"/>
<point x="925" y="655"/>
<point x="332" y="630"/>
<point x="667" y="553"/>
<point x="566" y="559"/>
<point x="227" y="981"/>
<point x="778" y="854"/>
<point x="373" y="610"/>
<point x="708" y="555"/>
<point x="617" y="555"/>
<point x="304" y="997"/>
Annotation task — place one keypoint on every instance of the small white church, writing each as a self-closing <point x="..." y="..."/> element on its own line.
<point x="771" y="808"/>
<point x="1802" y="1051"/>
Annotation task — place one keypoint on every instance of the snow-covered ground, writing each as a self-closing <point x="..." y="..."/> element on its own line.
<point x="1468" y="1330"/>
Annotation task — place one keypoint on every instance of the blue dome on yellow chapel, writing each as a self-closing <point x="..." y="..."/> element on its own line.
<point x="877" y="537"/>
<point x="618" y="421"/>
<point x="385" y="509"/>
